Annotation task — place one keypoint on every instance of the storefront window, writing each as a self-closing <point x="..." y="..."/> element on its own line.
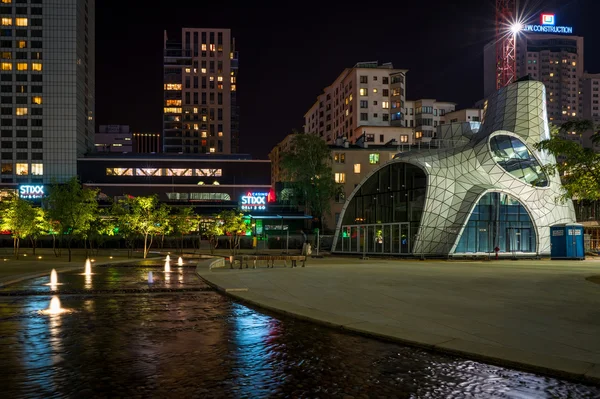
<point x="514" y="157"/>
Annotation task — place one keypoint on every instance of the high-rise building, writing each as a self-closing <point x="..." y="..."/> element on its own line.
<point x="368" y="94"/>
<point x="47" y="88"/>
<point x="200" y="112"/>
<point x="553" y="59"/>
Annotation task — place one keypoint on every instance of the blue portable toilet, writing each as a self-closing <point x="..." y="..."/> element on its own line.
<point x="566" y="241"/>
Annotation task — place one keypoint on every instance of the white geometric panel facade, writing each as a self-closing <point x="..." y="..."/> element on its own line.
<point x="499" y="158"/>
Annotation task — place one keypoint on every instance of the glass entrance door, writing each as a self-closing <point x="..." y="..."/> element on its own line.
<point x="404" y="238"/>
<point x="518" y="239"/>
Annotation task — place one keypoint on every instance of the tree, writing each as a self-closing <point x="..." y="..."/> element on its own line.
<point x="100" y="229"/>
<point x="42" y="227"/>
<point x="232" y="224"/>
<point x="72" y="208"/>
<point x="578" y="167"/>
<point x="183" y="222"/>
<point x="143" y="216"/>
<point x="212" y="228"/>
<point x="306" y="168"/>
<point x="18" y="217"/>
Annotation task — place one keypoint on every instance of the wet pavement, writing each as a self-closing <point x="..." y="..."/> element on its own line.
<point x="123" y="338"/>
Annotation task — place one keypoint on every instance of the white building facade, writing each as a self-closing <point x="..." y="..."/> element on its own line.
<point x="486" y="189"/>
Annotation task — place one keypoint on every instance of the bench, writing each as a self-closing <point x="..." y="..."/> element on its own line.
<point x="270" y="259"/>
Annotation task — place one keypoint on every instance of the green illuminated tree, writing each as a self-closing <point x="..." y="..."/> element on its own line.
<point x="306" y="169"/>
<point x="72" y="207"/>
<point x="20" y="218"/>
<point x="578" y="167"/>
<point x="183" y="222"/>
<point x="143" y="216"/>
<point x="233" y="225"/>
<point x="212" y="228"/>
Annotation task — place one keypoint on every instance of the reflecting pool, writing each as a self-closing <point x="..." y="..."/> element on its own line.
<point x="185" y="343"/>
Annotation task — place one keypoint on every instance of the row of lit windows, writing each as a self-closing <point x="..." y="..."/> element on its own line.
<point x="23" y="169"/>
<point x="205" y="172"/>
<point x="21" y="66"/>
<point x="18" y="21"/>
<point x="340" y="157"/>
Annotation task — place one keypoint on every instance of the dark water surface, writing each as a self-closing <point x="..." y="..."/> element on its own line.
<point x="186" y="344"/>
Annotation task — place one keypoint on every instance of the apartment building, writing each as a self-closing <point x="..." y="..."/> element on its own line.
<point x="555" y="60"/>
<point x="365" y="96"/>
<point x="47" y="88"/>
<point x="589" y="100"/>
<point x="200" y="113"/>
<point x="425" y="115"/>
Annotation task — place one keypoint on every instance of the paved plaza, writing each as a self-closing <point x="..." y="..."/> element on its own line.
<point x="540" y="315"/>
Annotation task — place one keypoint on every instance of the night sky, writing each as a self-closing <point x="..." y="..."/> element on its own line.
<point x="290" y="51"/>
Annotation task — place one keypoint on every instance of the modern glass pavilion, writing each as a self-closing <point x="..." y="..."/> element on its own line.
<point x="476" y="192"/>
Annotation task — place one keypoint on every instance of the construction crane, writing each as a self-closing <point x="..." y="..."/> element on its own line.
<point x="506" y="45"/>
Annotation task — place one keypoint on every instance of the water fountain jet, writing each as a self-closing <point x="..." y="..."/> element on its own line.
<point x="53" y="280"/>
<point x="167" y="266"/>
<point x="150" y="278"/>
<point x="168" y="258"/>
<point x="88" y="267"/>
<point x="180" y="262"/>
<point x="54" y="308"/>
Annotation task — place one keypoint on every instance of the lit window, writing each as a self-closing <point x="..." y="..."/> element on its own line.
<point x="374" y="90"/>
<point x="220" y="78"/>
<point x="212" y="47"/>
<point x="203" y="46"/>
<point x="362" y="92"/>
<point x="204" y="118"/>
<point x="231" y="56"/>
<point x="203" y="70"/>
<point x="173" y="102"/>
<point x="22" y="66"/>
<point x="117" y="145"/>
<point x="220" y="134"/>
<point x="212" y="149"/>
<point x="573" y="63"/>
<point x="22" y="169"/>
<point x="22" y="44"/>
<point x="340" y="178"/>
<point x="215" y="183"/>
<point x="346" y="112"/>
<point x="172" y="86"/>
<point x="574" y="114"/>
<point x="6" y="66"/>
<point x="233" y="79"/>
<point x="551" y="74"/>
<point x="21" y="21"/>
<point x="385" y="104"/>
<point x="232" y="87"/>
<point x="350" y="97"/>
<point x="195" y="126"/>
<point x="6" y="55"/>
<point x="172" y="110"/>
<point x="203" y="134"/>
<point x="36" y="100"/>
<point x="404" y="138"/>
<point x="21" y="111"/>
<point x="6" y="1"/>
<point x="346" y="100"/>
<point x="6" y="21"/>
<point x="373" y="159"/>
<point x="356" y="168"/>
<point x="188" y="70"/>
<point x="195" y="110"/>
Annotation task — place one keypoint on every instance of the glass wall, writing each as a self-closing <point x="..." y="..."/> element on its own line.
<point x="384" y="215"/>
<point x="499" y="220"/>
<point x="514" y="157"/>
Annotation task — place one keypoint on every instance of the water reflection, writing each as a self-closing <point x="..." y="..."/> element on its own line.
<point x="203" y="344"/>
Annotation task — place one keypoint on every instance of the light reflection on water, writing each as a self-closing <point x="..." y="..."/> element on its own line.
<point x="203" y="344"/>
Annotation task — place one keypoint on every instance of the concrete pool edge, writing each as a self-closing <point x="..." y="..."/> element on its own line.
<point x="499" y="355"/>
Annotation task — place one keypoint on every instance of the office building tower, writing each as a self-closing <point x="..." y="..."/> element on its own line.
<point x="200" y="113"/>
<point x="47" y="84"/>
